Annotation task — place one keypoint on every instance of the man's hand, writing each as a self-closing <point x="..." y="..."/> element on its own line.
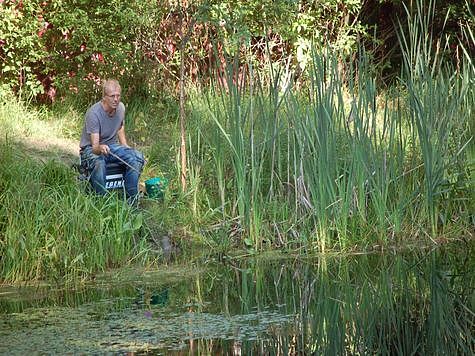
<point x="104" y="149"/>
<point x="101" y="150"/>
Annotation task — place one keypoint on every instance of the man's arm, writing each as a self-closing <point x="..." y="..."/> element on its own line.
<point x="96" y="147"/>
<point x="121" y="136"/>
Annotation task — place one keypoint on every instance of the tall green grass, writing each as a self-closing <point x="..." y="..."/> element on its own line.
<point x="49" y="227"/>
<point x="344" y="162"/>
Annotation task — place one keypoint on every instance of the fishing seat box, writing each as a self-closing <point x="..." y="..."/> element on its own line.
<point x="114" y="175"/>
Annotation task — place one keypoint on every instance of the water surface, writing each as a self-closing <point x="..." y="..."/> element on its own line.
<point x="388" y="303"/>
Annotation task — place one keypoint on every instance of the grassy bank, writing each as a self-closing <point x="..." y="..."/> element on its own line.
<point x="51" y="228"/>
<point x="340" y="165"/>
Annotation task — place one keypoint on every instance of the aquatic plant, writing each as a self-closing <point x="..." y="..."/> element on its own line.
<point x="342" y="161"/>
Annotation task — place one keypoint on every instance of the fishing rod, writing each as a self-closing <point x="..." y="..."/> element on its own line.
<point x="120" y="159"/>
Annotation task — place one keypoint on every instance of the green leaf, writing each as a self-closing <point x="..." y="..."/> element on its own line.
<point x="138" y="221"/>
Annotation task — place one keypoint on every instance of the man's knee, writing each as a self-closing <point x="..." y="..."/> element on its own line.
<point x="140" y="159"/>
<point x="99" y="165"/>
<point x="137" y="159"/>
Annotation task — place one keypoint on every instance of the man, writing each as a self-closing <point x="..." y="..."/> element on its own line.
<point x="103" y="141"/>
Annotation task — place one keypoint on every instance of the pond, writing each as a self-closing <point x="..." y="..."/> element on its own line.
<point x="386" y="303"/>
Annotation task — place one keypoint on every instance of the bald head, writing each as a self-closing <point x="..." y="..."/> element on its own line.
<point x="110" y="95"/>
<point x="110" y="86"/>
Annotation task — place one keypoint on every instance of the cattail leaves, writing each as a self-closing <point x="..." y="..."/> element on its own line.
<point x="350" y="162"/>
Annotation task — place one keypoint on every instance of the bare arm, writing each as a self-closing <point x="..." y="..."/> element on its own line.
<point x="96" y="147"/>
<point x="121" y="136"/>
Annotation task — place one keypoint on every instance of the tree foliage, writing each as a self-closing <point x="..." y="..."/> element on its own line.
<point x="21" y="48"/>
<point x="70" y="45"/>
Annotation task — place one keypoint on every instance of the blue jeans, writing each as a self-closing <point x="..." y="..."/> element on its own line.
<point x="96" y="166"/>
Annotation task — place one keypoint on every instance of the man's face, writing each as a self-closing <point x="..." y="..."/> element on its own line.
<point x="112" y="97"/>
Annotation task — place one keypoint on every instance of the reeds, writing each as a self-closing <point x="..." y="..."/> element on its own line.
<point x="343" y="162"/>
<point x="436" y="95"/>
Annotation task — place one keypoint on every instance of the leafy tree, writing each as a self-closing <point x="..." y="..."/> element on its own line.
<point x="70" y="45"/>
<point x="60" y="42"/>
<point x="21" y="46"/>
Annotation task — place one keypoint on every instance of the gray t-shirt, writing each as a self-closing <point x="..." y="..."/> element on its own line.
<point x="99" y="121"/>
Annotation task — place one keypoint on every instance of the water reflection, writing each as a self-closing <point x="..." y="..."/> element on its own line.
<point x="413" y="303"/>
